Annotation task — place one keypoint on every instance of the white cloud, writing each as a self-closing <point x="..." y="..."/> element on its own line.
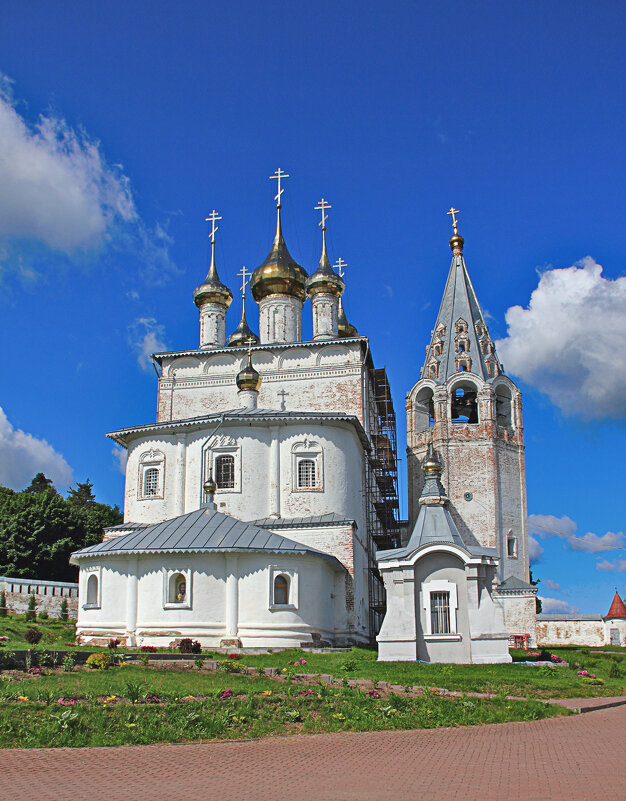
<point x="554" y="605"/>
<point x="544" y="526"/>
<point x="58" y="194"/>
<point x="146" y="337"/>
<point x="535" y="549"/>
<point x="551" y="585"/>
<point x="569" y="342"/>
<point x="121" y="456"/>
<point x="22" y="456"/>
<point x="618" y="565"/>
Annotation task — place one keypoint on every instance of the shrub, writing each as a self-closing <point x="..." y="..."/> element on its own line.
<point x="230" y="666"/>
<point x="98" y="661"/>
<point x="189" y="646"/>
<point x="614" y="671"/>
<point x="31" y="614"/>
<point x="3" y="604"/>
<point x="69" y="660"/>
<point x="349" y="664"/>
<point x="43" y="615"/>
<point x="149" y="649"/>
<point x="32" y="635"/>
<point x="113" y="644"/>
<point x="63" y="612"/>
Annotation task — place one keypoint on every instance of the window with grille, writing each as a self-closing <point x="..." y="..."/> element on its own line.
<point x="225" y="472"/>
<point x="281" y="590"/>
<point x="151" y="481"/>
<point x="306" y="473"/>
<point x="440" y="612"/>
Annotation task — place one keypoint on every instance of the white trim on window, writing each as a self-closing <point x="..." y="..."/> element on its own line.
<point x="307" y="451"/>
<point x="88" y="573"/>
<point x="292" y="577"/>
<point x="220" y="445"/>
<point x="435" y="586"/>
<point x="147" y="488"/>
<point x="169" y="587"/>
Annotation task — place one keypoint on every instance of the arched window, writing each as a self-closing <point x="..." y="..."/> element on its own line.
<point x="464" y="404"/>
<point x="306" y="473"/>
<point x="225" y="472"/>
<point x="281" y="591"/>
<point x="504" y="406"/>
<point x="424" y="409"/>
<point x="151" y="481"/>
<point x="177" y="589"/>
<point x="92" y="591"/>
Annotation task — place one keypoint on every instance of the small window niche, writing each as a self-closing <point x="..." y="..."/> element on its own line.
<point x="151" y="475"/>
<point x="511" y="546"/>
<point x="283" y="589"/>
<point x="307" y="467"/>
<point x="177" y="589"/>
<point x="92" y="588"/>
<point x="464" y="403"/>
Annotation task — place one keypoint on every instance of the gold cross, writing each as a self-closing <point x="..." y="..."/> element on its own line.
<point x="339" y="265"/>
<point x="322" y="206"/>
<point x="243" y="273"/>
<point x="455" y="224"/>
<point x="279" y="174"/>
<point x="250" y="342"/>
<point x="213" y="218"/>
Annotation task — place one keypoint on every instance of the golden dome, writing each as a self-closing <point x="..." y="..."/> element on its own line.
<point x="210" y="486"/>
<point x="324" y="279"/>
<point x="212" y="290"/>
<point x="279" y="274"/>
<point x="248" y="378"/>
<point x="431" y="465"/>
<point x="344" y="328"/>
<point x="242" y="334"/>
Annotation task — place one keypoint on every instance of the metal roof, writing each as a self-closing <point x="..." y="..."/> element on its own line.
<point x="331" y="519"/>
<point x="245" y="415"/>
<point x="265" y="346"/>
<point x="557" y="616"/>
<point x="514" y="583"/>
<point x="204" y="530"/>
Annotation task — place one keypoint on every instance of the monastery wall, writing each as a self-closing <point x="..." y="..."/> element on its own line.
<point x="589" y="630"/>
<point x="48" y="594"/>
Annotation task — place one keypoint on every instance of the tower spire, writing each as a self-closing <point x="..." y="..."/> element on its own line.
<point x="243" y="333"/>
<point x="212" y="298"/>
<point x="460" y="340"/>
<point x="345" y="329"/>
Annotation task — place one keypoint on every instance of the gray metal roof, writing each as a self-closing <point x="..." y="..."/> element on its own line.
<point x="266" y="346"/>
<point x="514" y="583"/>
<point x="557" y="616"/>
<point x="199" y="531"/>
<point x="331" y="519"/>
<point x="122" y="435"/>
<point x="434" y="526"/>
<point x="459" y="301"/>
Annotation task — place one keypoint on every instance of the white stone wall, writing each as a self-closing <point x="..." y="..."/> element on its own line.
<point x="212" y="325"/>
<point x="519" y="614"/>
<point x="578" y="631"/>
<point x="138" y="613"/>
<point x="325" y="310"/>
<point x="49" y="595"/>
<point x="280" y="319"/>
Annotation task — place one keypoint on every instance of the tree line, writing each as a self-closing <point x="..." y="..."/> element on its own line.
<point x="39" y="528"/>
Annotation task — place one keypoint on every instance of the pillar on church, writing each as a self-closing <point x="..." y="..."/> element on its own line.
<point x="280" y="319"/>
<point x="132" y="592"/>
<point x="232" y="597"/>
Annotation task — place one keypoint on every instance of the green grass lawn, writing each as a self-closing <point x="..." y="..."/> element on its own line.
<point x="139" y="705"/>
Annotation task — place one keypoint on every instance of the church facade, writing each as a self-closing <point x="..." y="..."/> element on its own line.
<point x="261" y="505"/>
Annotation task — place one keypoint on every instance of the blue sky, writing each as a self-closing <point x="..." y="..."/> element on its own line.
<point x="122" y="126"/>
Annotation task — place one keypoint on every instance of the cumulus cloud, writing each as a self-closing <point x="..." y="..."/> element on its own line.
<point x="22" y="456"/>
<point x="535" y="549"/>
<point x="554" y="605"/>
<point x="569" y="342"/>
<point x="544" y="526"/>
<point x="59" y="194"/>
<point x="120" y="456"/>
<point x="619" y="565"/>
<point x="146" y="337"/>
<point x="551" y="585"/>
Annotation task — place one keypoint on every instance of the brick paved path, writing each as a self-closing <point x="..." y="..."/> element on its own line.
<point x="565" y="759"/>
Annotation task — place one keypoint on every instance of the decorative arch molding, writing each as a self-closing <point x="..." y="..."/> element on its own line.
<point x="214" y="449"/>
<point x="151" y="475"/>
<point x="294" y="358"/>
<point x="333" y="354"/>
<point x="181" y="368"/>
<point x="307" y="466"/>
<point x="222" y="363"/>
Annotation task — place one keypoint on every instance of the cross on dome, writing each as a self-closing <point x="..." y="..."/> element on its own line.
<point x="339" y="265"/>
<point x="279" y="175"/>
<point x="213" y="218"/>
<point x="322" y="206"/>
<point x="244" y="283"/>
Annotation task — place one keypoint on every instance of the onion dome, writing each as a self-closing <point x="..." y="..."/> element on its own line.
<point x="456" y="243"/>
<point x="279" y="274"/>
<point x="325" y="279"/>
<point x="344" y="328"/>
<point x="431" y="465"/>
<point x="210" y="486"/>
<point x="212" y="290"/>
<point x="243" y="333"/>
<point x="248" y="378"/>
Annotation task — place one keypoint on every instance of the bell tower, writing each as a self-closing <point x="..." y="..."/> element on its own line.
<point x="471" y="413"/>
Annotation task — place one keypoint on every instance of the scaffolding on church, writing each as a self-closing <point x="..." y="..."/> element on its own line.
<point x="382" y="488"/>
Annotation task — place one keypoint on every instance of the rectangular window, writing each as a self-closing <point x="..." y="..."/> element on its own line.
<point x="440" y="612"/>
<point x="151" y="481"/>
<point x="306" y="474"/>
<point x="511" y="547"/>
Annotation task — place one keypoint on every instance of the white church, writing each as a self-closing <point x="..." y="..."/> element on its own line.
<point x="261" y="508"/>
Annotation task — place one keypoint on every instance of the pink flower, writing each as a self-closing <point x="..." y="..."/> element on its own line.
<point x="303" y="661"/>
<point x="228" y="693"/>
<point x="373" y="694"/>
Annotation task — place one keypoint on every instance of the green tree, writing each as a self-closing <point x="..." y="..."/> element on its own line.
<point x="63" y="612"/>
<point x="82" y="495"/>
<point x="3" y="604"/>
<point x="40" y="484"/>
<point x="31" y="613"/>
<point x="538" y="601"/>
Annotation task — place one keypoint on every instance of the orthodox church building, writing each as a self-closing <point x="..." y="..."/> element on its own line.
<point x="261" y="508"/>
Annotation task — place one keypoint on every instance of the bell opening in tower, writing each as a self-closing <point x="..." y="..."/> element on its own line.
<point x="464" y="404"/>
